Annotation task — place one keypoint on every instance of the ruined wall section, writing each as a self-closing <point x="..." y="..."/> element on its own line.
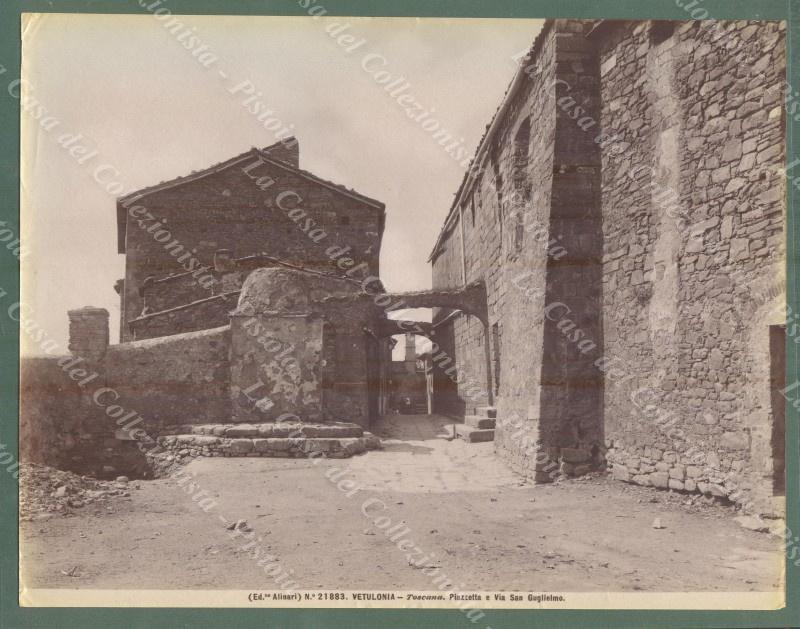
<point x="693" y="214"/>
<point x="81" y="414"/>
<point x="295" y="219"/>
<point x="52" y="417"/>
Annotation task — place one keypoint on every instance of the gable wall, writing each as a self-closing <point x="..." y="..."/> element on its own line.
<point x="228" y="210"/>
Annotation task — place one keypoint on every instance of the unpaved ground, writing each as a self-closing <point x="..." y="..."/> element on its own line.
<point x="475" y="519"/>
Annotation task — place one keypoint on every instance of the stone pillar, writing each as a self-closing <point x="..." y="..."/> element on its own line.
<point x="276" y="349"/>
<point x="88" y="333"/>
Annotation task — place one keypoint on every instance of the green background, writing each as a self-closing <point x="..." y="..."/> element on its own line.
<point x="12" y="616"/>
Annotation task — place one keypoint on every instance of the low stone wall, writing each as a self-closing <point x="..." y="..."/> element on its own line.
<point x="176" y="379"/>
<point x="51" y="415"/>
<point x="61" y="426"/>
<point x="86" y="415"/>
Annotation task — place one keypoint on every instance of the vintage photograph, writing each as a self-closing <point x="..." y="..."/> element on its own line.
<point x="478" y="314"/>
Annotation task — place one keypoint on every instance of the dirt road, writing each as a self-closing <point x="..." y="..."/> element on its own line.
<point x="337" y="524"/>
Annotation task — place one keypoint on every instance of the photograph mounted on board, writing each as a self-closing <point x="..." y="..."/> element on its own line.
<point x="474" y="314"/>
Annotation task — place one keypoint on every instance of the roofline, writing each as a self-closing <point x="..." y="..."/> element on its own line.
<point x="488" y="136"/>
<point x="127" y="200"/>
<point x="323" y="182"/>
<point x="166" y="185"/>
<point x="253" y="152"/>
<point x="604" y="27"/>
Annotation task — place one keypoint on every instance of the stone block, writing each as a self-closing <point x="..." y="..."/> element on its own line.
<point x="353" y="445"/>
<point x="675" y="484"/>
<point x="474" y="435"/>
<point x="692" y="471"/>
<point x="476" y="421"/>
<point x="620" y="472"/>
<point x="320" y="445"/>
<point x="240" y="446"/>
<point x="717" y="490"/>
<point x="678" y="472"/>
<point x="241" y="430"/>
<point x="734" y="441"/>
<point x="659" y="479"/>
<point x="205" y="440"/>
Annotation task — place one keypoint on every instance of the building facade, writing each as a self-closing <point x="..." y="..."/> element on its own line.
<point x="625" y="210"/>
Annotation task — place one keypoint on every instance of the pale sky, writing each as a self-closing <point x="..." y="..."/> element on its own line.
<point x="153" y="112"/>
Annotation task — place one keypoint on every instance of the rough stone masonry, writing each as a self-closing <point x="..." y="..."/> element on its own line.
<point x="626" y="212"/>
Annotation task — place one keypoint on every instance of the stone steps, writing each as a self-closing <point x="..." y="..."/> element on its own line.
<point x="334" y="440"/>
<point x="474" y="435"/>
<point x="478" y="427"/>
<point x="269" y="429"/>
<point x="478" y="421"/>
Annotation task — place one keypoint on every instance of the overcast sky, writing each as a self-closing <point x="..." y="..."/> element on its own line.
<point x="153" y="111"/>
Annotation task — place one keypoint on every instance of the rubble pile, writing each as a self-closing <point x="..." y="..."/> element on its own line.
<point x="46" y="490"/>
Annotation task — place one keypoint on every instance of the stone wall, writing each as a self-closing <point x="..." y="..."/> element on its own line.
<point x="81" y="414"/>
<point x="693" y="214"/>
<point x="481" y="242"/>
<point x="179" y="379"/>
<point x="530" y="226"/>
<point x="61" y="425"/>
<point x="639" y="320"/>
<point x="52" y="417"/>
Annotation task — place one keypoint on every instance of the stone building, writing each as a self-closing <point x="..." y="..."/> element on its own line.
<point x="625" y="214"/>
<point x="253" y="323"/>
<point x="190" y="242"/>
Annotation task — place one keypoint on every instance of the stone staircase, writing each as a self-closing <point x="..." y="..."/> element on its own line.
<point x="478" y="427"/>
<point x="336" y="440"/>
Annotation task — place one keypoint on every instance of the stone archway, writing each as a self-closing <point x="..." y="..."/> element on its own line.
<point x="471" y="300"/>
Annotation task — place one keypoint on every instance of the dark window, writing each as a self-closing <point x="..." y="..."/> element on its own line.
<point x="522" y="183"/>
<point x="522" y="142"/>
